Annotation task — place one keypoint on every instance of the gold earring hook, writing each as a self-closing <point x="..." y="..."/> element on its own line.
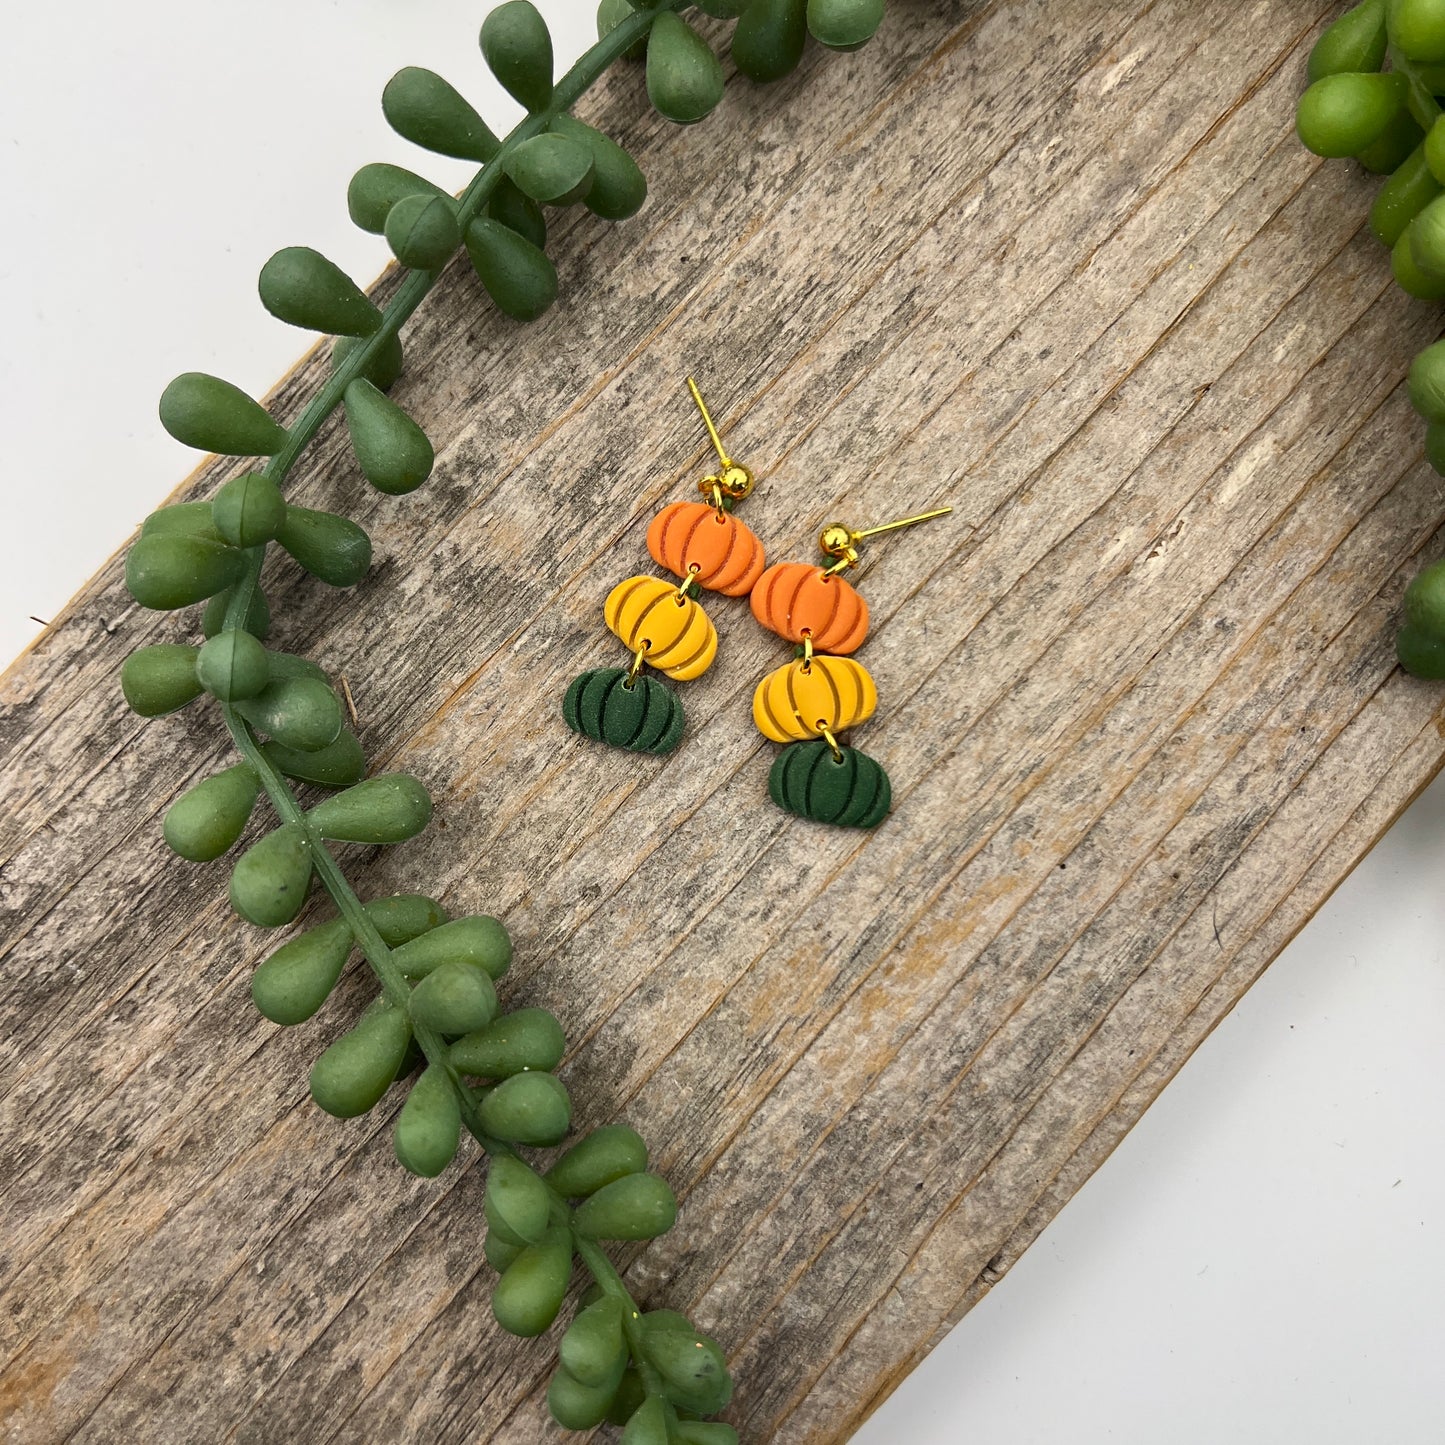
<point x="734" y="481"/>
<point x="841" y="542"/>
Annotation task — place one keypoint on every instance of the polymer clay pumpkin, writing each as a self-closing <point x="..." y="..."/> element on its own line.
<point x="671" y="631"/>
<point x="803" y="699"/>
<point x="638" y="713"/>
<point x="694" y="538"/>
<point x="798" y="600"/>
<point x="849" y="790"/>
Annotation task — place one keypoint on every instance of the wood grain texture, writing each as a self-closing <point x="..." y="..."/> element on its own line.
<point x="1062" y="265"/>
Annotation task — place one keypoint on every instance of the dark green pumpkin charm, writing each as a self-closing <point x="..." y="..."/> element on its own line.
<point x="851" y="791"/>
<point x="643" y="717"/>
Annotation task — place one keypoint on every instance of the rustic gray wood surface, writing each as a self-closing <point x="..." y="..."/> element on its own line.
<point x="1062" y="265"/>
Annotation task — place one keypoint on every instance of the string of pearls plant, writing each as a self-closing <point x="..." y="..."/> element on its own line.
<point x="1391" y="122"/>
<point x="437" y="1012"/>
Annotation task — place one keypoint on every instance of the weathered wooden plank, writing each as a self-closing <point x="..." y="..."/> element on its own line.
<point x="1070" y="272"/>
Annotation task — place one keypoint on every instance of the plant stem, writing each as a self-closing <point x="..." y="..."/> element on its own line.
<point x="397" y="991"/>
<point x="408" y="296"/>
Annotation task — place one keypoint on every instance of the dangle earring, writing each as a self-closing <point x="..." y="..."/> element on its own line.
<point x="823" y="691"/>
<point x="663" y="626"/>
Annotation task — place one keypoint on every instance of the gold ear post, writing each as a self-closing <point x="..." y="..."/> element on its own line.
<point x="734" y="480"/>
<point x="841" y="543"/>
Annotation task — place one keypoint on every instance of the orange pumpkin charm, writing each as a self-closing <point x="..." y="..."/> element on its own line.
<point x="672" y="631"/>
<point x="797" y="600"/>
<point x="803" y="699"/>
<point x="726" y="553"/>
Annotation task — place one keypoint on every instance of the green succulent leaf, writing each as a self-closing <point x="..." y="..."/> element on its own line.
<point x="160" y="679"/>
<point x="292" y="984"/>
<point x="204" y="822"/>
<point x="297" y="712"/>
<point x="271" y="879"/>
<point x="428" y="111"/>
<point x="391" y="449"/>
<point x="518" y="50"/>
<point x="517" y="275"/>
<point x="350" y="1078"/>
<point x="301" y="287"/>
<point x="551" y="169"/>
<point x="844" y="24"/>
<point x="422" y="232"/>
<point x="618" y="186"/>
<point x="527" y="1039"/>
<point x="332" y="548"/>
<point x="769" y="39"/>
<point x="611" y="14"/>
<point x="213" y="416"/>
<point x="428" y="1128"/>
<point x="684" y="77"/>
<point x="168" y="571"/>
<point x="377" y="187"/>
<point x="518" y="213"/>
<point x="249" y="510"/>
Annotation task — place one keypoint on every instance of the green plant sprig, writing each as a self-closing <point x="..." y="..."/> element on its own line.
<point x="1391" y="121"/>
<point x="651" y="1371"/>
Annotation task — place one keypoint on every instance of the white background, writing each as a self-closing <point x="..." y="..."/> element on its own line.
<point x="1261" y="1261"/>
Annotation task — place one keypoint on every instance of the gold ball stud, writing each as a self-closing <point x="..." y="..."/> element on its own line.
<point x="837" y="540"/>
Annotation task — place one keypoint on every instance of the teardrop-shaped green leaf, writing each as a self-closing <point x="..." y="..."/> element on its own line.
<point x="518" y="212"/>
<point x="353" y="1074"/>
<point x="1356" y="41"/>
<point x="377" y="187"/>
<point x="337" y="765"/>
<point x="516" y="1199"/>
<point x="233" y="665"/>
<point x="593" y="1349"/>
<point x="301" y="287"/>
<point x="298" y="712"/>
<point x="769" y="39"/>
<point x="518" y="277"/>
<point x="422" y="232"/>
<point x="530" y="1293"/>
<point x="386" y="809"/>
<point x="332" y="548"/>
<point x="170" y="571"/>
<point x="684" y="77"/>
<point x="160" y="678"/>
<point x="648" y="1425"/>
<point x="637" y="1206"/>
<point x="611" y="14"/>
<point x="271" y="878"/>
<point x="182" y="519"/>
<point x="213" y="416"/>
<point x="383" y="363"/>
<point x="551" y="169"/>
<point x="392" y="450"/>
<point x="248" y="510"/>
<point x="206" y="820"/>
<point x="844" y="24"/>
<point x="405" y="916"/>
<point x="455" y="999"/>
<point x="618" y="186"/>
<point x="428" y="111"/>
<point x="527" y="1109"/>
<point x="518" y="50"/>
<point x="607" y="1154"/>
<point x="290" y="985"/>
<point x="428" y="1128"/>
<point x="527" y="1039"/>
<point x="477" y="939"/>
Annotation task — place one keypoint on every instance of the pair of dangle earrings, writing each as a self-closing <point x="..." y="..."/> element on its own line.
<point x="804" y="704"/>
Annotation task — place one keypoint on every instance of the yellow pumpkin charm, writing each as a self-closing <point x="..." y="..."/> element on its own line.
<point x="805" y="699"/>
<point x="672" y="631"/>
